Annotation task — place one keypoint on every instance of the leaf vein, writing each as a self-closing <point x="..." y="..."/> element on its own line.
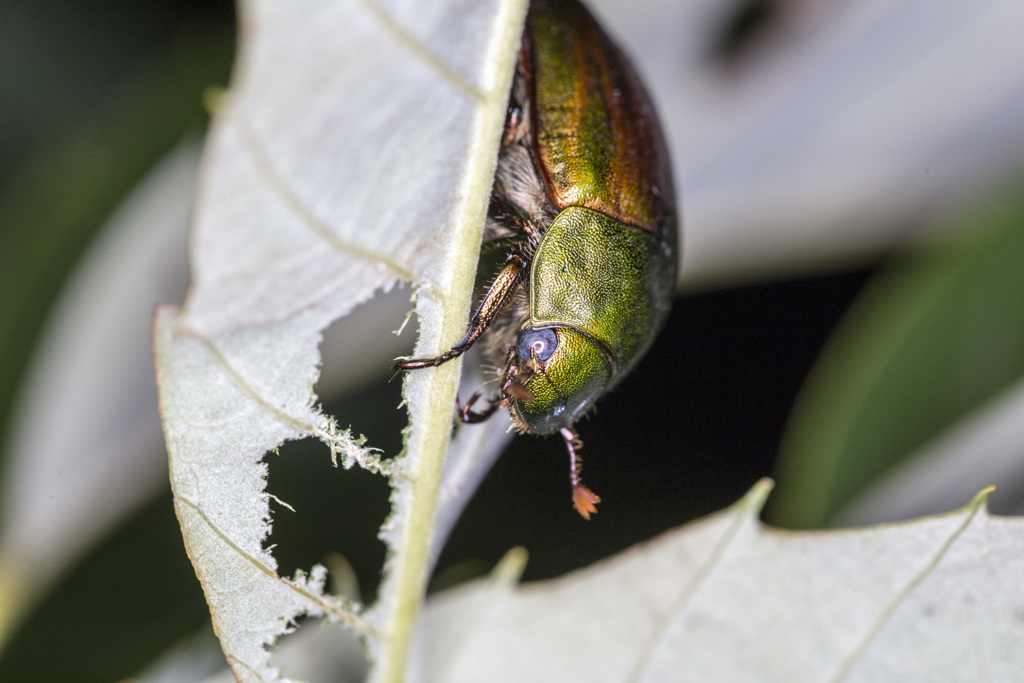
<point x="348" y="617"/>
<point x="224" y="537"/>
<point x="244" y="385"/>
<point x="335" y="439"/>
<point x="915" y="581"/>
<point x="427" y="441"/>
<point x="275" y="179"/>
<point x="418" y="49"/>
<point x="753" y="500"/>
<point x="235" y="660"/>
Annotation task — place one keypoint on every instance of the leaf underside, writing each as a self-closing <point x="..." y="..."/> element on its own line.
<point x="729" y="599"/>
<point x="319" y="191"/>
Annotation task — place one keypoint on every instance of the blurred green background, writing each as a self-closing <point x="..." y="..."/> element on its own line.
<point x="93" y="94"/>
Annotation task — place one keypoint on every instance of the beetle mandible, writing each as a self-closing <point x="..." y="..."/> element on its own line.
<point x="584" y="204"/>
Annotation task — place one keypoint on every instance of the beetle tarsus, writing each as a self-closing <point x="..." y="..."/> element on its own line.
<point x="583" y="499"/>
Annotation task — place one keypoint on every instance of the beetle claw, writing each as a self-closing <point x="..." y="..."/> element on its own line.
<point x="465" y="411"/>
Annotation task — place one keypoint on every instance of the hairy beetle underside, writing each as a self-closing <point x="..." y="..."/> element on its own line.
<point x="518" y="214"/>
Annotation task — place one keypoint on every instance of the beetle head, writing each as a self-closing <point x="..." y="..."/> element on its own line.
<point x="563" y="372"/>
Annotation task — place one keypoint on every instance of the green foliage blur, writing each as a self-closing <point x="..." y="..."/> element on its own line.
<point x="92" y="95"/>
<point x="933" y="337"/>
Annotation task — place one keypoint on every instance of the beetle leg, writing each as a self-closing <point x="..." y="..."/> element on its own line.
<point x="511" y="216"/>
<point x="583" y="498"/>
<point x="508" y="387"/>
<point x="513" y="121"/>
<point x="469" y="416"/>
<point x="498" y="296"/>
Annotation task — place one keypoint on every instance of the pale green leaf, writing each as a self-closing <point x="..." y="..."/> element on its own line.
<point x="354" y="152"/>
<point x="319" y="190"/>
<point x="728" y="599"/>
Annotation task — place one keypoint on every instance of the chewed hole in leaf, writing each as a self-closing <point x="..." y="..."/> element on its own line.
<point x="319" y="651"/>
<point x="359" y="349"/>
<point x="319" y="509"/>
<point x="335" y="510"/>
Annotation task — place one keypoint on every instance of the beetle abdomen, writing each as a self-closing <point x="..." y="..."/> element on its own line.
<point x="596" y="134"/>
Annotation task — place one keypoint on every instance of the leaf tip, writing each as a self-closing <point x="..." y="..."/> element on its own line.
<point x="980" y="500"/>
<point x="215" y="99"/>
<point x="753" y="501"/>
<point x="510" y="567"/>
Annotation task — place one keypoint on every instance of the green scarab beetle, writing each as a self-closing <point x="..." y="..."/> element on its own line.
<point x="584" y="205"/>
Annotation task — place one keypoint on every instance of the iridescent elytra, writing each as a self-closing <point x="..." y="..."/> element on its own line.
<point x="583" y="207"/>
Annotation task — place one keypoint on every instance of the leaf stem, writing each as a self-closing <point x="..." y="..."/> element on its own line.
<point x="431" y="393"/>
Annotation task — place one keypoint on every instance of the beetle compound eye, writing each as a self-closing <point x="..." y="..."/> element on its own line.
<point x="541" y="343"/>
